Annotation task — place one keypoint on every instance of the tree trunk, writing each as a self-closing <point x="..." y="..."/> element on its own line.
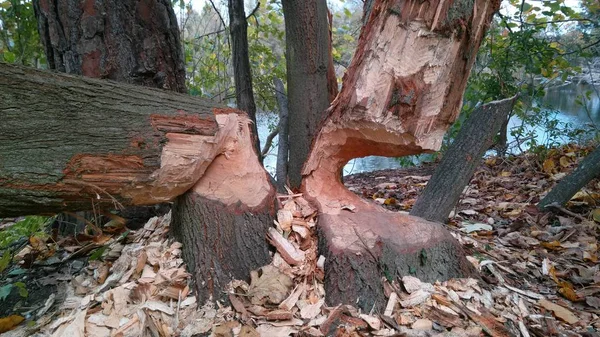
<point x="461" y="159"/>
<point x="73" y="142"/>
<point x="128" y="41"/>
<point x="588" y="169"/>
<point x="138" y="42"/>
<point x="402" y="90"/>
<point x="242" y="74"/>
<point x="283" y="145"/>
<point x="307" y="60"/>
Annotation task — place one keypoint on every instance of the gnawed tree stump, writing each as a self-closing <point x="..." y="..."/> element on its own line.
<point x="222" y="221"/>
<point x="402" y="90"/>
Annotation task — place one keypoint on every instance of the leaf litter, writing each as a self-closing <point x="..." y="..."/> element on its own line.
<point x="539" y="271"/>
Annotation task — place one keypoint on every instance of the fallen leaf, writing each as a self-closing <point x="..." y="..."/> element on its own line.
<point x="559" y="311"/>
<point x="469" y="228"/>
<point x="272" y="286"/>
<point x="10" y="322"/>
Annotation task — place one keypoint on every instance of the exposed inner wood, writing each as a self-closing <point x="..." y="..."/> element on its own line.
<point x="401" y="92"/>
<point x="235" y="176"/>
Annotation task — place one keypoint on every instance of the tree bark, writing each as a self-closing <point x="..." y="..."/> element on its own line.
<point x="461" y="159"/>
<point x="283" y="145"/>
<point x="402" y="90"/>
<point x="73" y="142"/>
<point x="588" y="169"/>
<point x="242" y="74"/>
<point x="128" y="41"/>
<point x="307" y="60"/>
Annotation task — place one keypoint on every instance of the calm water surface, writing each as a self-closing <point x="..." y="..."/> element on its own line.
<point x="562" y="99"/>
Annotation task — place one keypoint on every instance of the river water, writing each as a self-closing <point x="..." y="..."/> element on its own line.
<point x="561" y="100"/>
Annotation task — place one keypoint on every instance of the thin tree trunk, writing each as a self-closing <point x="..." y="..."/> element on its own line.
<point x="283" y="145"/>
<point x="461" y="159"/>
<point x="242" y="74"/>
<point x="588" y="169"/>
<point x="307" y="60"/>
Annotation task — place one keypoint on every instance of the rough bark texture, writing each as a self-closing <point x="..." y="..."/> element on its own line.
<point x="588" y="169"/>
<point x="402" y="90"/>
<point x="283" y="145"/>
<point x="217" y="254"/>
<point x="242" y="74"/>
<point x="68" y="142"/>
<point x="132" y="41"/>
<point x="307" y="59"/>
<point x="461" y="159"/>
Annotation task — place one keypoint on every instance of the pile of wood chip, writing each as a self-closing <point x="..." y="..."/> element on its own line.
<point x="145" y="292"/>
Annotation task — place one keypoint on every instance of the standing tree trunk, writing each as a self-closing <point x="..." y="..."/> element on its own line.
<point x="307" y="60"/>
<point x="402" y="90"/>
<point x="283" y="126"/>
<point x="242" y="74"/>
<point x="128" y="41"/>
<point x="461" y="159"/>
<point x="588" y="169"/>
<point x="138" y="42"/>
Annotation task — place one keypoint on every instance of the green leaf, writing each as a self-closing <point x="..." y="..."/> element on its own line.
<point x="22" y="289"/>
<point x="97" y="254"/>
<point x="5" y="291"/>
<point x="9" y="57"/>
<point x="4" y="261"/>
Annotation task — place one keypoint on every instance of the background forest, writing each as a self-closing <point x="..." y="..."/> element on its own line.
<point x="547" y="51"/>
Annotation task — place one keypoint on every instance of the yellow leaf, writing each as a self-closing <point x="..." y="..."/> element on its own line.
<point x="505" y="174"/>
<point x="548" y="166"/>
<point x="490" y="161"/>
<point x="596" y="215"/>
<point x="554" y="245"/>
<point x="566" y="289"/>
<point x="10" y="322"/>
<point x="564" y="161"/>
<point x="390" y="201"/>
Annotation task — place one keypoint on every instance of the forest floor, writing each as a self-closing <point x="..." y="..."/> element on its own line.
<point x="539" y="271"/>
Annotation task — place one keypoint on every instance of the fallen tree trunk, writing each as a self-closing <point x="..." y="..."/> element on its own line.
<point x="402" y="90"/>
<point x="78" y="142"/>
<point x="461" y="159"/>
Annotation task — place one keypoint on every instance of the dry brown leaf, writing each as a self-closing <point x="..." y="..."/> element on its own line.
<point x="559" y="311"/>
<point x="548" y="165"/>
<point x="272" y="286"/>
<point x="248" y="331"/>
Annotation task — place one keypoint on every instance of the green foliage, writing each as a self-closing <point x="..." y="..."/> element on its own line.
<point x="31" y="225"/>
<point x="19" y="39"/>
<point x="523" y="53"/>
<point x="208" y="54"/>
<point x="6" y="289"/>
